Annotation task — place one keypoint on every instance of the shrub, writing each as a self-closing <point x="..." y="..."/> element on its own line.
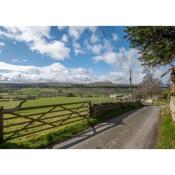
<point x="164" y="94"/>
<point x="71" y="95"/>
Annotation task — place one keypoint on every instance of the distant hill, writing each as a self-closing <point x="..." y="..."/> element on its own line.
<point x="101" y="84"/>
<point x="69" y="85"/>
<point x="64" y="85"/>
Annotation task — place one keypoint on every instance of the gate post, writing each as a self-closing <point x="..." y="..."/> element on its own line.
<point x="90" y="109"/>
<point x="1" y="125"/>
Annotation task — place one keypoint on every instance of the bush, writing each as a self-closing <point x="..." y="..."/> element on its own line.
<point x="89" y="95"/>
<point x="165" y="94"/>
<point x="104" y="108"/>
<point x="172" y="93"/>
<point x="70" y="95"/>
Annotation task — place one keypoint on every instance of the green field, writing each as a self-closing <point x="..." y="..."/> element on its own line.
<point x="55" y="135"/>
<point x="10" y="98"/>
<point x="55" y="120"/>
<point x="38" y="92"/>
<point x="52" y="100"/>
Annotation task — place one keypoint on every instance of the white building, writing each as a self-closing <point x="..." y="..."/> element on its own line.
<point x="113" y="96"/>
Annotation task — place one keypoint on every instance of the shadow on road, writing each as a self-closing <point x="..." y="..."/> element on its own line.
<point x="99" y="128"/>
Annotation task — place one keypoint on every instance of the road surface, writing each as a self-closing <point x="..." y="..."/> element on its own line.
<point x="135" y="129"/>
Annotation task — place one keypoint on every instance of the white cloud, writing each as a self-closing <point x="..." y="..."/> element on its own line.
<point x="35" y="38"/>
<point x="61" y="27"/>
<point x="109" y="58"/>
<point x="94" y="38"/>
<point x="126" y="58"/>
<point x="76" y="31"/>
<point x="76" y="45"/>
<point x="1" y="45"/>
<point x="78" y="51"/>
<point x="39" y="39"/>
<point x="77" y="48"/>
<point x="59" y="73"/>
<point x="107" y="46"/>
<point x="96" y="49"/>
<point x="54" y="49"/>
<point x="116" y="77"/>
<point x="64" y="38"/>
<point x="114" y="37"/>
<point x="26" y="34"/>
<point x="93" y="48"/>
<point x="54" y="72"/>
<point x="122" y="60"/>
<point x="16" y="60"/>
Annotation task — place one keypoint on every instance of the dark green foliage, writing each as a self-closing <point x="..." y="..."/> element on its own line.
<point x="71" y="95"/>
<point x="156" y="44"/>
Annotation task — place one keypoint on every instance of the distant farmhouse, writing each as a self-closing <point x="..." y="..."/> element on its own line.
<point x="115" y="96"/>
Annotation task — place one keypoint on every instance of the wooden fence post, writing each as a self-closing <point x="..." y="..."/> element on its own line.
<point x="1" y="125"/>
<point x="90" y="109"/>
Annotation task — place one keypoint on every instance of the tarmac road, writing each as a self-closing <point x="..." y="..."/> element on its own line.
<point x="133" y="130"/>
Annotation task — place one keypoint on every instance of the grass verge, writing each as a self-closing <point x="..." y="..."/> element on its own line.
<point x="166" y="139"/>
<point x="161" y="102"/>
<point x="65" y="133"/>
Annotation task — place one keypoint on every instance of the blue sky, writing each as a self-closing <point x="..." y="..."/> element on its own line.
<point x="68" y="54"/>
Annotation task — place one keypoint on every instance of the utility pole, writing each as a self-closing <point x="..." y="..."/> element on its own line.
<point x="130" y="79"/>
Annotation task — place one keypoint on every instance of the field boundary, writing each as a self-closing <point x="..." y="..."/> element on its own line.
<point x="54" y="122"/>
<point x="64" y="114"/>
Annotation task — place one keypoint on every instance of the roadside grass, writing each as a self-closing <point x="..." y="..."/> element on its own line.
<point x="166" y="139"/>
<point x="161" y="102"/>
<point x="56" y="136"/>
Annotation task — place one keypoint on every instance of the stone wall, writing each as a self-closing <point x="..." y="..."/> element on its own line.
<point x="172" y="107"/>
<point x="97" y="110"/>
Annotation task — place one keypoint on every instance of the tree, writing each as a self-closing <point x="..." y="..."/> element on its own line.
<point x="155" y="44"/>
<point x="150" y="86"/>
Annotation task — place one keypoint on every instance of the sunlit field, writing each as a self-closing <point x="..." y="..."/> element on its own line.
<point x="54" y="118"/>
<point x="55" y="100"/>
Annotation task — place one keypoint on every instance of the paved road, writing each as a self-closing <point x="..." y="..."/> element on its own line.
<point x="136" y="129"/>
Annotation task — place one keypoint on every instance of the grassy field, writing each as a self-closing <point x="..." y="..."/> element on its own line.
<point x="53" y="96"/>
<point x="38" y="92"/>
<point x="27" y="120"/>
<point x="46" y="118"/>
<point x="52" y="100"/>
<point x="48" y="138"/>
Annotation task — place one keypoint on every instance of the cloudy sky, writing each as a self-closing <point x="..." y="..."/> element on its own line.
<point x="68" y="54"/>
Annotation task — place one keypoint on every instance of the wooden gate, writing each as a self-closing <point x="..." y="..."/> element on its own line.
<point x="22" y="122"/>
